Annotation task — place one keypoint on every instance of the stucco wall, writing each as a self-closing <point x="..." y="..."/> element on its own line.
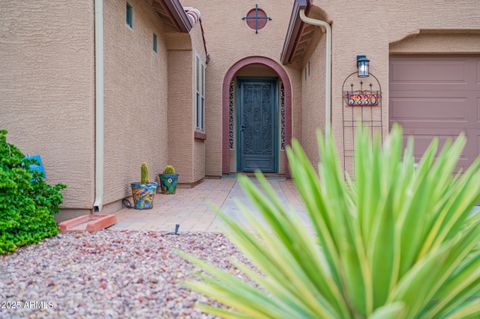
<point x="47" y="89"/>
<point x="180" y="114"/>
<point x="368" y="27"/>
<point x="229" y="40"/>
<point x="313" y="96"/>
<point x="438" y="42"/>
<point x="185" y="153"/>
<point x="198" y="48"/>
<point x="198" y="160"/>
<point x="135" y="97"/>
<point x="257" y="70"/>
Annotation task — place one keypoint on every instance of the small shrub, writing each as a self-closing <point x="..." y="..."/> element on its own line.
<point x="169" y="169"/>
<point x="27" y="202"/>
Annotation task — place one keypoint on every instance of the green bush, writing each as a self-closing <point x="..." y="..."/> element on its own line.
<point x="395" y="241"/>
<point x="27" y="203"/>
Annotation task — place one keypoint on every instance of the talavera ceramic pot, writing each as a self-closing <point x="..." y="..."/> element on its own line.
<point x="143" y="195"/>
<point x="168" y="183"/>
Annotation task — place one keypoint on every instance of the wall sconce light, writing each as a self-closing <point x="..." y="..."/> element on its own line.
<point x="362" y="66"/>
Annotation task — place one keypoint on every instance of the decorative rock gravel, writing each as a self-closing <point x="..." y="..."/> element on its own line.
<point x="110" y="274"/>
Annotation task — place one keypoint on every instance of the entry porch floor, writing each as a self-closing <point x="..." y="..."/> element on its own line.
<point x="192" y="208"/>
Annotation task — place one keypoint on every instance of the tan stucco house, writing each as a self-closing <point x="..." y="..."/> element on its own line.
<point x="214" y="87"/>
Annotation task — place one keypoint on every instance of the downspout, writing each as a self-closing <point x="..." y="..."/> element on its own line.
<point x="99" y="106"/>
<point x="328" y="65"/>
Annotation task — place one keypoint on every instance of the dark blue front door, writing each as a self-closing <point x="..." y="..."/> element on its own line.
<point x="256" y="125"/>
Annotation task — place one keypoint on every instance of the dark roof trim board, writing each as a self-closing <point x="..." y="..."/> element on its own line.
<point x="294" y="31"/>
<point x="178" y="18"/>
<point x="178" y="15"/>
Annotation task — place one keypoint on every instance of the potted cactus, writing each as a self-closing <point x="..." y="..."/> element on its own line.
<point x="168" y="180"/>
<point x="144" y="192"/>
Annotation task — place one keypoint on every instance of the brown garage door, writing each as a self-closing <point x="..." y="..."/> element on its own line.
<point x="437" y="96"/>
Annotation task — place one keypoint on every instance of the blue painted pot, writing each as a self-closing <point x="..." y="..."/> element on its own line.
<point x="143" y="195"/>
<point x="168" y="183"/>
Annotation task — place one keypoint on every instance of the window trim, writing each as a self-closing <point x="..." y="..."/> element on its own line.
<point x="129" y="15"/>
<point x="199" y="95"/>
<point x="155" y="43"/>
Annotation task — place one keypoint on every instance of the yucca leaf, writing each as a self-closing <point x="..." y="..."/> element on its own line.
<point x="282" y="257"/>
<point x="314" y="200"/>
<point x="395" y="240"/>
<point x="410" y="221"/>
<point x="459" y="202"/>
<point x="354" y="264"/>
<point x="470" y="311"/>
<point x="421" y="283"/>
<point x="233" y="292"/>
<point x="277" y="288"/>
<point x="463" y="283"/>
<point x="304" y="248"/>
<point x="390" y="311"/>
<point x="221" y="312"/>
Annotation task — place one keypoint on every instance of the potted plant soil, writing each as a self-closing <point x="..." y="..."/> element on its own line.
<point x="168" y="180"/>
<point x="143" y="193"/>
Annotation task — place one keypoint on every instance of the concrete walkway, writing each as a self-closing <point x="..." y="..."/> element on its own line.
<point x="191" y="207"/>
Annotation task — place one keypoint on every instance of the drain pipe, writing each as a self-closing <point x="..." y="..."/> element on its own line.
<point x="99" y="106"/>
<point x="328" y="64"/>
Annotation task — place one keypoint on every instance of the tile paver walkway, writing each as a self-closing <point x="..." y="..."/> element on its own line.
<point x="191" y="207"/>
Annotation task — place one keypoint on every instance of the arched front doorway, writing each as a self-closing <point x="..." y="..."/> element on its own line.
<point x="231" y="143"/>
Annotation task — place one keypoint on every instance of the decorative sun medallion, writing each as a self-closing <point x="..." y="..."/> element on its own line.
<point x="256" y="19"/>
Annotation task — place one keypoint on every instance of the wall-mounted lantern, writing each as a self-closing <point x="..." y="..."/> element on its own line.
<point x="362" y="66"/>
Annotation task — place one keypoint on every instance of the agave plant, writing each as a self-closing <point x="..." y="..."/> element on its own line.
<point x="396" y="240"/>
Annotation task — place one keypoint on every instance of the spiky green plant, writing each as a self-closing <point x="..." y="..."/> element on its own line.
<point x="144" y="179"/>
<point x="397" y="240"/>
<point x="169" y="169"/>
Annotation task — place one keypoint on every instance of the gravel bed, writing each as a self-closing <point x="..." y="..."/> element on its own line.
<point x="110" y="274"/>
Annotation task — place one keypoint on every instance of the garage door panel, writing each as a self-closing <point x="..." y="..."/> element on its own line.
<point x="429" y="71"/>
<point x="478" y="110"/>
<point x="424" y="135"/>
<point x="420" y="73"/>
<point x="433" y="109"/>
<point x="437" y="96"/>
<point x="477" y="75"/>
<point x="477" y="151"/>
<point x="423" y="140"/>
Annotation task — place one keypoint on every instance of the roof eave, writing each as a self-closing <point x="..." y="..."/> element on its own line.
<point x="294" y="30"/>
<point x="178" y="15"/>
